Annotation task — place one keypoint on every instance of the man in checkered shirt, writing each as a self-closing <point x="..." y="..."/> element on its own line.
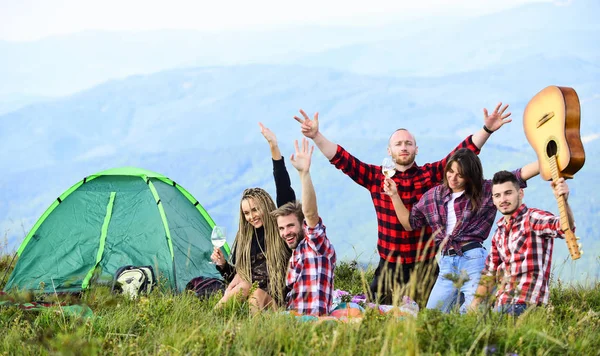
<point x="520" y="259"/>
<point x="310" y="273"/>
<point x="401" y="252"/>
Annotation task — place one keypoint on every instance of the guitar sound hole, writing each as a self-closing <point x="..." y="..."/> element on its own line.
<point x="551" y="148"/>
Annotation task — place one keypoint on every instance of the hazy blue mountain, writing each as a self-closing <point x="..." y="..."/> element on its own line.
<point x="92" y="57"/>
<point x="402" y="46"/>
<point x="542" y="29"/>
<point x="199" y="127"/>
<point x="13" y="102"/>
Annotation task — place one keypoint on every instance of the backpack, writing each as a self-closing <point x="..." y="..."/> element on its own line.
<point x="134" y="280"/>
<point x="204" y="287"/>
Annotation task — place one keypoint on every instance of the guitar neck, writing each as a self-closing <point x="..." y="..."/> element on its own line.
<point x="564" y="217"/>
<point x="562" y="210"/>
<point x="560" y="200"/>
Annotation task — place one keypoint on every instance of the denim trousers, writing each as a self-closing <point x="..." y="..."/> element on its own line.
<point x="512" y="309"/>
<point x="458" y="275"/>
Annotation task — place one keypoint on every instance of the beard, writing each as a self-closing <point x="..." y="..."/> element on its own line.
<point x="297" y="238"/>
<point x="404" y="160"/>
<point x="508" y="211"/>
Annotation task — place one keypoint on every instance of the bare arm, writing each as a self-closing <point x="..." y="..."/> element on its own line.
<point x="487" y="282"/>
<point x="530" y="170"/>
<point x="485" y="288"/>
<point x="309" y="200"/>
<point x="310" y="129"/>
<point x="569" y="214"/>
<point x="326" y="147"/>
<point x="390" y="188"/>
<point x="301" y="161"/>
<point x="492" y="122"/>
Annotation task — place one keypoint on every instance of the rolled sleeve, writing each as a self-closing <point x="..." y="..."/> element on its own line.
<point x="316" y="237"/>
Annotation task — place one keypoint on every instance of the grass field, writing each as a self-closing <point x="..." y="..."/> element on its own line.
<point x="167" y="324"/>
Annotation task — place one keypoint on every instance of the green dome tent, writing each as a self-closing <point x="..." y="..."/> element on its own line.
<point x="118" y="217"/>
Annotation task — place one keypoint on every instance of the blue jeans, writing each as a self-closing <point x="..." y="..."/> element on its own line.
<point x="458" y="274"/>
<point x="511" y="309"/>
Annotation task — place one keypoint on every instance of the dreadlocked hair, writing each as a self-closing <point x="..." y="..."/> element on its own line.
<point x="276" y="251"/>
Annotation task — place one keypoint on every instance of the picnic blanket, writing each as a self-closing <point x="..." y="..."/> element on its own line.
<point x="351" y="308"/>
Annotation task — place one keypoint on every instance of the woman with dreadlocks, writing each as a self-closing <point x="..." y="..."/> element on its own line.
<point x="259" y="254"/>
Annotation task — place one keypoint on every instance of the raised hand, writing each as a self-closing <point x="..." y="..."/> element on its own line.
<point x="389" y="187"/>
<point x="308" y="127"/>
<point x="272" y="140"/>
<point x="268" y="134"/>
<point x="497" y="118"/>
<point x="301" y="159"/>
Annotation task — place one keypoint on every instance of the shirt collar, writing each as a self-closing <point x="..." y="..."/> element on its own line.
<point x="412" y="170"/>
<point x="514" y="216"/>
<point x="446" y="193"/>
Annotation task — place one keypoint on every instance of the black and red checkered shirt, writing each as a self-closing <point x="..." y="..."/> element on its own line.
<point x="395" y="244"/>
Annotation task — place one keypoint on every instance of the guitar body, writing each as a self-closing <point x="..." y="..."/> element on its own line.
<point x="551" y="122"/>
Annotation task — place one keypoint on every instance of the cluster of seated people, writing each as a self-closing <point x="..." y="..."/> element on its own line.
<point x="281" y="254"/>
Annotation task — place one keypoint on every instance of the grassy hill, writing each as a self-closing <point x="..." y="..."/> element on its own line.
<point x="167" y="324"/>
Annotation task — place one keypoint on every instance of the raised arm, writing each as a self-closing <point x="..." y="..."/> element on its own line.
<point x="491" y="123"/>
<point x="530" y="170"/>
<point x="390" y="188"/>
<point x="310" y="129"/>
<point x="272" y="140"/>
<point x="283" y="184"/>
<point x="301" y="161"/>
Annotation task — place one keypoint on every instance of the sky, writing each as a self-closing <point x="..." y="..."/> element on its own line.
<point x="28" y="20"/>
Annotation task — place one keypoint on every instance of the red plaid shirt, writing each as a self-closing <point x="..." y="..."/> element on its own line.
<point x="310" y="273"/>
<point x="522" y="254"/>
<point x="471" y="226"/>
<point x="395" y="244"/>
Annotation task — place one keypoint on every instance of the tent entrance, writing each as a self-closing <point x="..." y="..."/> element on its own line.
<point x="103" y="233"/>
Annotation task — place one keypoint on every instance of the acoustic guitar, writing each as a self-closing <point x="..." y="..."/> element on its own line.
<point x="551" y="123"/>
